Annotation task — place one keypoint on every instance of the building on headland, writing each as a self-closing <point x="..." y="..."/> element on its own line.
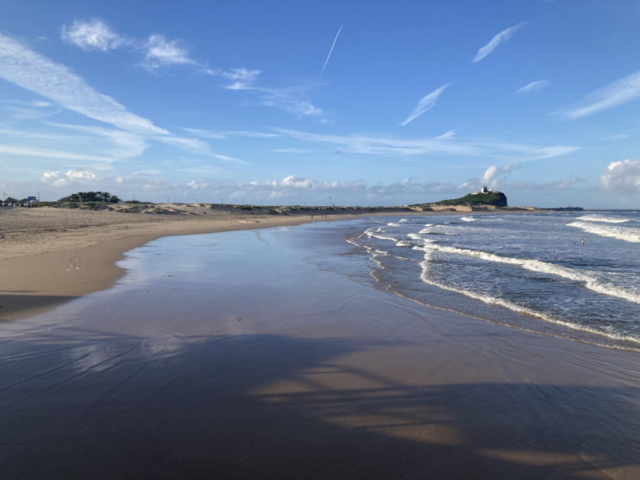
<point x="484" y="190"/>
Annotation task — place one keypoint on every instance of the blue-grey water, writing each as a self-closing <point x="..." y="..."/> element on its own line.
<point x="500" y="266"/>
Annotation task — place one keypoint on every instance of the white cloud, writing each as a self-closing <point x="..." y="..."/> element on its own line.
<point x="617" y="93"/>
<point x="58" y="179"/>
<point x="491" y="178"/>
<point x="92" y="35"/>
<point x="534" y="86"/>
<point x="426" y="103"/>
<point x="621" y="176"/>
<point x="243" y="77"/>
<point x="54" y="81"/>
<point x="501" y="37"/>
<point x="197" y="186"/>
<point x="160" y="52"/>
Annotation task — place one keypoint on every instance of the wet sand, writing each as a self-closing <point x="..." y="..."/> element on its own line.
<point x="50" y="256"/>
<point x="235" y="356"/>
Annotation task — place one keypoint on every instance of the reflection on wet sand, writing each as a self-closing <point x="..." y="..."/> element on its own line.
<point x="259" y="365"/>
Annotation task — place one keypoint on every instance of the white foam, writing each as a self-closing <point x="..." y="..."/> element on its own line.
<point x="600" y="218"/>
<point x="541" y="267"/>
<point x="626" y="234"/>
<point x="404" y="220"/>
<point x="384" y="237"/>
<point x="468" y="219"/>
<point x="515" y="307"/>
<point x="391" y="224"/>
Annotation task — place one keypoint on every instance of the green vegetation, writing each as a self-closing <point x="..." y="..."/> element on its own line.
<point x="497" y="199"/>
<point x="90" y="197"/>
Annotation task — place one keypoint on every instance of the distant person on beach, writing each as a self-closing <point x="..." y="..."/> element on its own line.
<point x="583" y="242"/>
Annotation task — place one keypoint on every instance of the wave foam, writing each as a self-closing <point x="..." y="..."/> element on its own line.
<point x="517" y="308"/>
<point x="467" y="219"/>
<point x="626" y="234"/>
<point x="540" y="267"/>
<point x="600" y="218"/>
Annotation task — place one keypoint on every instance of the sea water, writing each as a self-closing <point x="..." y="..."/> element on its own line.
<point x="526" y="270"/>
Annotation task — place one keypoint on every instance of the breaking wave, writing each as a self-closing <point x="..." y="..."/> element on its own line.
<point x="601" y="218"/>
<point x="540" y="267"/>
<point x="517" y="308"/>
<point x="621" y="233"/>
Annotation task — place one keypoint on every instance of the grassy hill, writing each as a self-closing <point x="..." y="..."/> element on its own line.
<point x="497" y="199"/>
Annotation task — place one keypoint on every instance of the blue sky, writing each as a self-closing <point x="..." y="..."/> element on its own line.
<point x="228" y="100"/>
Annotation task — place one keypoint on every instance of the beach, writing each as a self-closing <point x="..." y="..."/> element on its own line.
<point x="273" y="353"/>
<point x="50" y="256"/>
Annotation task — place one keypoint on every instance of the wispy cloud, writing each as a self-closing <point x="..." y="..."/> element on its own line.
<point x="125" y="144"/>
<point x="46" y="153"/>
<point x="157" y="50"/>
<point x="534" y="86"/>
<point x="34" y="72"/>
<point x="615" y="94"/>
<point x="92" y="35"/>
<point x="160" y="52"/>
<point x="292" y="99"/>
<point x="426" y="103"/>
<point x="501" y="37"/>
<point x="450" y="135"/>
<point x="616" y="136"/>
<point x="243" y="77"/>
<point x="378" y="145"/>
<point x="331" y="51"/>
<point x="222" y="135"/>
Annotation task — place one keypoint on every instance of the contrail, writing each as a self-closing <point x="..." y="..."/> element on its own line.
<point x="329" y="56"/>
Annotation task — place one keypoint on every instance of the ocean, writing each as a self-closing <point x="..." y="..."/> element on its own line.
<point x="529" y="271"/>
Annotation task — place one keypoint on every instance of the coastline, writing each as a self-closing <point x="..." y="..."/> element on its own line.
<point x="48" y="266"/>
<point x="66" y="265"/>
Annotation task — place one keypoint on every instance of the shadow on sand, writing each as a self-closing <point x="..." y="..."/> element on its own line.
<point x="16" y="303"/>
<point x="265" y="406"/>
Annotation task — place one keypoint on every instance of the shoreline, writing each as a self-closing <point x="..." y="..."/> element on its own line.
<point x="46" y="267"/>
<point x="68" y="262"/>
<point x="221" y="355"/>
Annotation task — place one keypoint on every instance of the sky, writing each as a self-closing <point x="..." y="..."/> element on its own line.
<point x="347" y="102"/>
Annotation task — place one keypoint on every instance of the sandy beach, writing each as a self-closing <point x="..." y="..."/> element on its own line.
<point x="49" y="256"/>
<point x="264" y="354"/>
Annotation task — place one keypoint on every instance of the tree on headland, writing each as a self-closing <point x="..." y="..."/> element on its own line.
<point x="90" y="197"/>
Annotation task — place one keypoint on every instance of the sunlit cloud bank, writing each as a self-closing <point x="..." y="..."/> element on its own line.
<point x="621" y="176"/>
